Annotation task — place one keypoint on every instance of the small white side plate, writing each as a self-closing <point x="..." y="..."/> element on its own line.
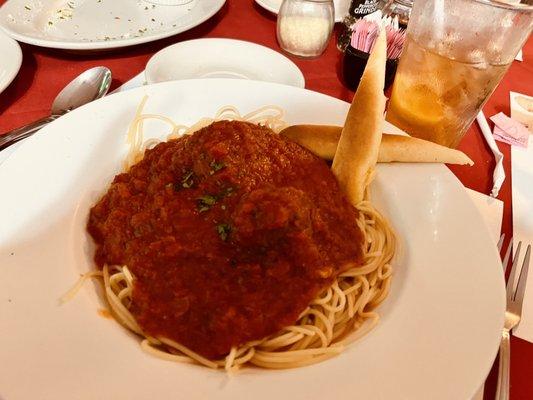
<point x="222" y="58"/>
<point x="100" y="24"/>
<point x="341" y="7"/>
<point x="10" y="60"/>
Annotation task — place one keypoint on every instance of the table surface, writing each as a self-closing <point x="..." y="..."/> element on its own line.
<point x="44" y="72"/>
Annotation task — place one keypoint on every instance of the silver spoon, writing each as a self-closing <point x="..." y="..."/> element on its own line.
<point x="90" y="85"/>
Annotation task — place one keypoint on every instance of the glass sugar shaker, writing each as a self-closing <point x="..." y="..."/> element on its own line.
<point x="304" y="26"/>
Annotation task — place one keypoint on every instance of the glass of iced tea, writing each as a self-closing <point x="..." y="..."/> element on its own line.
<point x="455" y="54"/>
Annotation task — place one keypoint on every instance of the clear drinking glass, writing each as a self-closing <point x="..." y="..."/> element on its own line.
<point x="304" y="26"/>
<point x="455" y="54"/>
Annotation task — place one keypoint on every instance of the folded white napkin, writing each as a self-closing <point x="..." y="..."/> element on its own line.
<point x="522" y="170"/>
<point x="491" y="210"/>
<point x="499" y="173"/>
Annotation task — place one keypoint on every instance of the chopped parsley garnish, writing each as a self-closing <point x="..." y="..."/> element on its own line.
<point x="206" y="202"/>
<point x="226" y="192"/>
<point x="188" y="180"/>
<point x="223" y="231"/>
<point x="216" y="166"/>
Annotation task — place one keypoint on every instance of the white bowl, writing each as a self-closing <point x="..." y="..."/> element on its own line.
<point x="222" y="58"/>
<point x="341" y="7"/>
<point x="10" y="60"/>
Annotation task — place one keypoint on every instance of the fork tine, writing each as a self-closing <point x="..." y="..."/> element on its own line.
<point x="510" y="281"/>
<point x="507" y="255"/>
<point x="522" y="279"/>
<point x="500" y="242"/>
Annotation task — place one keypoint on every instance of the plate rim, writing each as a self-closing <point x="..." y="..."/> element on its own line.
<point x="267" y="5"/>
<point x="109" y="44"/>
<point x="300" y="83"/>
<point x="15" y="46"/>
<point x="445" y="170"/>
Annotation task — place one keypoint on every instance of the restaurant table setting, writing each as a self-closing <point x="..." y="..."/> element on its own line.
<point x="88" y="85"/>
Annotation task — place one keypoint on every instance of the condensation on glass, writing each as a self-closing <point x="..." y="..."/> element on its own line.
<point x="455" y="54"/>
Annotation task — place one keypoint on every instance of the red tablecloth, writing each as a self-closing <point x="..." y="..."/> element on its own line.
<point x="44" y="72"/>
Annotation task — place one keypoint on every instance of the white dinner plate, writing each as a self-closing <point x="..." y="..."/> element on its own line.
<point x="341" y="7"/>
<point x="440" y="325"/>
<point x="222" y="58"/>
<point x="100" y="24"/>
<point x="10" y="60"/>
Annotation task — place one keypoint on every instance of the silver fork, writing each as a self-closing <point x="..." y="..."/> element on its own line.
<point x="513" y="312"/>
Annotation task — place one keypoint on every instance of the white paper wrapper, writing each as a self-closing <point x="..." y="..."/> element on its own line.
<point x="498" y="175"/>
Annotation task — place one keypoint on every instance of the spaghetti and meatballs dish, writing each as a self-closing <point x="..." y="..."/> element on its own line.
<point x="230" y="244"/>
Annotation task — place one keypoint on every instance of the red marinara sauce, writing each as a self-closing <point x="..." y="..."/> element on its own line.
<point x="230" y="234"/>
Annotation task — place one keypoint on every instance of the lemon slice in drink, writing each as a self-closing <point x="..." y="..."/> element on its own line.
<point x="418" y="104"/>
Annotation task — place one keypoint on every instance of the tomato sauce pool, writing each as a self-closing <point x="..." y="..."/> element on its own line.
<point x="230" y="233"/>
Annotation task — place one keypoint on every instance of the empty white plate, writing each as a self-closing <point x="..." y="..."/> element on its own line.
<point x="341" y="7"/>
<point x="100" y="24"/>
<point x="10" y="60"/>
<point x="222" y="58"/>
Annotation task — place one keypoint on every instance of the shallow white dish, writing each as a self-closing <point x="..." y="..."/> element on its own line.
<point x="341" y="7"/>
<point x="10" y="60"/>
<point x="440" y="326"/>
<point x="99" y="24"/>
<point x="222" y="58"/>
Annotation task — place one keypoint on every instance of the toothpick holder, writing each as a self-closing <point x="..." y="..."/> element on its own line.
<point x="354" y="63"/>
